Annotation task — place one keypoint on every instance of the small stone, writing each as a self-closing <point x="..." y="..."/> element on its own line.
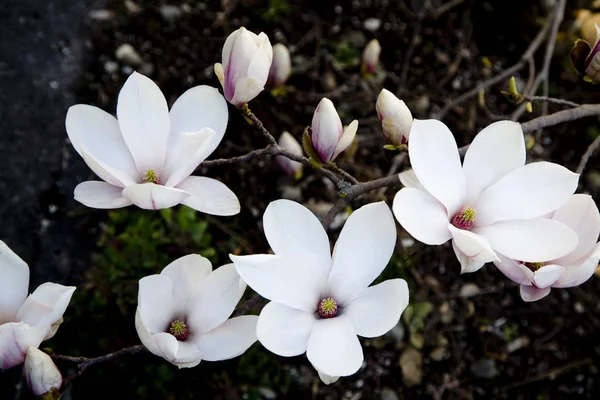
<point x="411" y="363"/>
<point x="578" y="307"/>
<point x="126" y="54"/>
<point x="517" y="344"/>
<point x="484" y="368"/>
<point x="101" y="15"/>
<point x="388" y="394"/>
<point x="372" y="24"/>
<point x="132" y="7"/>
<point x="469" y="290"/>
<point x="170" y="13"/>
<point x="446" y="313"/>
<point x="111" y="67"/>
<point x="267" y="393"/>
<point x="438" y="354"/>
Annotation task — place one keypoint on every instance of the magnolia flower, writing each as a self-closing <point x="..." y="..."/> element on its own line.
<point x="26" y="321"/>
<point x="537" y="278"/>
<point x="370" y="56"/>
<point x="396" y="118"/>
<point x="40" y="372"/>
<point x="491" y="204"/>
<point x="290" y="167"/>
<point x="320" y="302"/>
<point x="182" y="314"/>
<point x="328" y="136"/>
<point x="586" y="58"/>
<point x="282" y="65"/>
<point x="246" y="63"/>
<point x="146" y="157"/>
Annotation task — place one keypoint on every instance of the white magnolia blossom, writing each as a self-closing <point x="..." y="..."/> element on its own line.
<point x="289" y="143"/>
<point x="146" y="157"/>
<point x="537" y="278"/>
<point x="26" y="321"/>
<point x="396" y="118"/>
<point x="370" y="56"/>
<point x="320" y="302"/>
<point x="182" y="314"/>
<point x="281" y="68"/>
<point x="40" y="372"/>
<point x="493" y="203"/>
<point x="246" y="60"/>
<point x="328" y="137"/>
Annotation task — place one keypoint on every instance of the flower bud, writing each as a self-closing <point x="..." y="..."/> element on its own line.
<point x="40" y="372"/>
<point x="328" y="135"/>
<point x="370" y="57"/>
<point x="396" y="118"/>
<point x="586" y="58"/>
<point x="289" y="143"/>
<point x="246" y="62"/>
<point x="281" y="68"/>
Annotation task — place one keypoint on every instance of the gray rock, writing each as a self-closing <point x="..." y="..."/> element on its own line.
<point x="484" y="368"/>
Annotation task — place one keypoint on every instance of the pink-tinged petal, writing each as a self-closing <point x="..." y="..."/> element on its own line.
<point x="144" y="121"/>
<point x="209" y="196"/>
<point x="191" y="154"/>
<point x="186" y="274"/>
<point x="533" y="240"/>
<point x="13" y="284"/>
<point x="198" y="108"/>
<point x="581" y="270"/>
<point x="105" y="172"/>
<point x="531" y="293"/>
<point x="46" y="305"/>
<point x="281" y="279"/>
<point x="284" y="330"/>
<point x="102" y="195"/>
<point x="145" y="336"/>
<point x="228" y="46"/>
<point x="526" y="272"/>
<point x="214" y="299"/>
<point x="99" y="131"/>
<point x="243" y="47"/>
<point x="581" y="214"/>
<point x="15" y="339"/>
<point x="547" y="275"/>
<point x="377" y="310"/>
<point x="514" y="271"/>
<point x="497" y="150"/>
<point x="40" y="372"/>
<point x="422" y="216"/>
<point x="150" y="196"/>
<point x="156" y="304"/>
<point x="333" y="347"/>
<point x="467" y="264"/>
<point x="295" y="233"/>
<point x="475" y="247"/>
<point x="346" y="139"/>
<point x="327" y="130"/>
<point x="327" y="379"/>
<point x="527" y="192"/>
<point x="409" y="179"/>
<point x="363" y="249"/>
<point x="230" y="339"/>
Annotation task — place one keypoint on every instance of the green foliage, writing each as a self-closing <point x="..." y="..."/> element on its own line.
<point x="276" y="11"/>
<point x="346" y="54"/>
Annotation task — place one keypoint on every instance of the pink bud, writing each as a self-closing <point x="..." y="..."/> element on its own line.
<point x="370" y="57"/>
<point x="328" y="136"/>
<point x="281" y="68"/>
<point x="289" y="143"/>
<point x="396" y="118"/>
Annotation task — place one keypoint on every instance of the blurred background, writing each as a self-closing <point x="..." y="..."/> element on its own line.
<point x="463" y="337"/>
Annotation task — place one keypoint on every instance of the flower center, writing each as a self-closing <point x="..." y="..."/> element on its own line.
<point x="151" y="177"/>
<point x="179" y="329"/>
<point x="534" y="266"/>
<point x="327" y="307"/>
<point x="464" y="219"/>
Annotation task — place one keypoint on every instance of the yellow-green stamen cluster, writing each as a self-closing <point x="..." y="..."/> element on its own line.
<point x="327" y="307"/>
<point x="534" y="266"/>
<point x="179" y="329"/>
<point x="464" y="219"/>
<point x="151" y="177"/>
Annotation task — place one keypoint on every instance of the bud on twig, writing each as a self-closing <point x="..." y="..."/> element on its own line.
<point x="328" y="137"/>
<point x="396" y="118"/>
<point x="41" y="374"/>
<point x="281" y="68"/>
<point x="370" y="57"/>
<point x="290" y="167"/>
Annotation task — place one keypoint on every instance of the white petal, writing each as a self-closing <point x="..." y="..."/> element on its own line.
<point x="581" y="270"/>
<point x="327" y="379"/>
<point x="467" y="264"/>
<point x="497" y="150"/>
<point x="294" y="232"/>
<point x="104" y="171"/>
<point x="377" y="310"/>
<point x="513" y="270"/>
<point x="198" y="108"/>
<point x="333" y="347"/>
<point x="14" y="283"/>
<point x="246" y="89"/>
<point x="186" y="274"/>
<point x="145" y="336"/>
<point x="15" y="339"/>
<point x="214" y="299"/>
<point x="280" y="279"/>
<point x="528" y="192"/>
<point x="534" y="240"/>
<point x="236" y="65"/>
<point x="99" y="131"/>
<point x="581" y="214"/>
<point x="346" y="139"/>
<point x="284" y="330"/>
<point x="144" y="121"/>
<point x="191" y="153"/>
<point x="409" y="179"/>
<point x="547" y="275"/>
<point x="46" y="305"/>
<point x="150" y="196"/>
<point x="40" y="372"/>
<point x="476" y="247"/>
<point x="422" y="216"/>
<point x="230" y="339"/>
<point x="156" y="304"/>
<point x="363" y="249"/>
<point x="209" y="196"/>
<point x="261" y="61"/>
<point x="327" y="130"/>
<point x="434" y="157"/>
<point x="98" y="194"/>
<point x="531" y="293"/>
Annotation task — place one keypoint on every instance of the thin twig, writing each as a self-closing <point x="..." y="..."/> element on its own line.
<point x="551" y="100"/>
<point x="585" y="110"/>
<point x="588" y="153"/>
<point x="411" y="49"/>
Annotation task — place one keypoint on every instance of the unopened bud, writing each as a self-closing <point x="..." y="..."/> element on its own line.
<point x="289" y="143"/>
<point x="396" y="118"/>
<point x="370" y="56"/>
<point x="281" y="68"/>
<point x="41" y="374"/>
<point x="329" y="138"/>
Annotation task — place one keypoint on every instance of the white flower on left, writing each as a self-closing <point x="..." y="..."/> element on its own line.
<point x="320" y="302"/>
<point x="146" y="157"/>
<point x="183" y="312"/>
<point x="26" y="321"/>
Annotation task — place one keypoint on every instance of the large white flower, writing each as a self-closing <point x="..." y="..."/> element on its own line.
<point x="492" y="203"/>
<point x="26" y="321"/>
<point x="183" y="313"/>
<point x="321" y="302"/>
<point x="537" y="278"/>
<point x="146" y="157"/>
